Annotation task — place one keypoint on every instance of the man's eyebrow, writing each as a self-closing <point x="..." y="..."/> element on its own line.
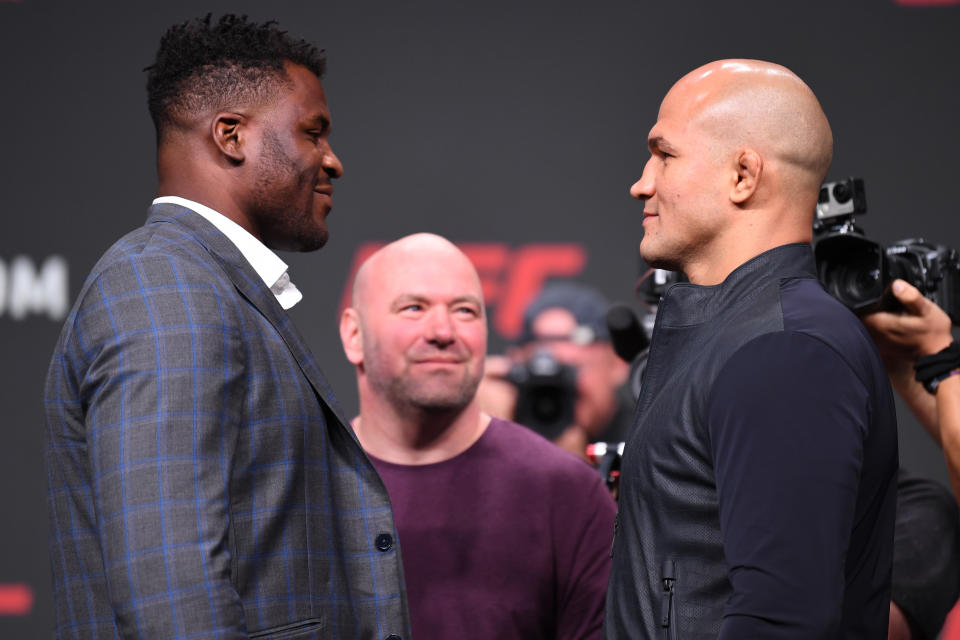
<point x="322" y="121"/>
<point x="660" y="144"/>
<point x="468" y="298"/>
<point x="406" y="298"/>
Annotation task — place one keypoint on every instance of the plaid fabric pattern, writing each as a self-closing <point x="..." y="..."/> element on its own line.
<point x="202" y="482"/>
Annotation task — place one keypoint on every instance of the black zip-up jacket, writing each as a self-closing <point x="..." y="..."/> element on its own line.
<point x="758" y="485"/>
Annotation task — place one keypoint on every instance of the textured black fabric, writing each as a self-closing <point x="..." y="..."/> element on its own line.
<point x="766" y="354"/>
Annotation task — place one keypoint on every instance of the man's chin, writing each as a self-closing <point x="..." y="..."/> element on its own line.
<point x="657" y="260"/>
<point x="438" y="406"/>
<point x="436" y="396"/>
<point x="315" y="237"/>
<point x="303" y="242"/>
<point x="316" y="242"/>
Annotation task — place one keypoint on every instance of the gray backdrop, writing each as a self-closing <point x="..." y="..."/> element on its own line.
<point x="494" y="122"/>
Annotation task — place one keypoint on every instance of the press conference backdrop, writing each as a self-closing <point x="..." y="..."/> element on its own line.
<point x="515" y="128"/>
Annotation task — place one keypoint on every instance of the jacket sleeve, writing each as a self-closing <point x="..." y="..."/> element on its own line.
<point x="787" y="423"/>
<point x="162" y="390"/>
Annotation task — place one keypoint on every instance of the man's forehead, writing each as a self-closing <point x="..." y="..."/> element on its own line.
<point x="426" y="280"/>
<point x="306" y="92"/>
<point x="685" y="98"/>
<point x="679" y="113"/>
<point x="437" y="295"/>
<point x="664" y="135"/>
<point x="421" y="264"/>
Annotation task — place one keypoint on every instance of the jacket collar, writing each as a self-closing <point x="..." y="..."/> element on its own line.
<point x="251" y="286"/>
<point x="689" y="304"/>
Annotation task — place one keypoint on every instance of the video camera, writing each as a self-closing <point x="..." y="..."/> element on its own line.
<point x="546" y="394"/>
<point x="858" y="271"/>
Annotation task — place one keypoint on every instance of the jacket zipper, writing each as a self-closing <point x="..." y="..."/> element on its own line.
<point x="666" y="602"/>
<point x="616" y="528"/>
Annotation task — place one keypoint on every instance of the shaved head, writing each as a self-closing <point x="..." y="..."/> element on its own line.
<point x="737" y="156"/>
<point x="752" y="103"/>
<point x="405" y="254"/>
<point x="416" y="329"/>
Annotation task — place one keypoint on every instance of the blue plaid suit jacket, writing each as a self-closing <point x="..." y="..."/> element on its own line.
<point x="202" y="482"/>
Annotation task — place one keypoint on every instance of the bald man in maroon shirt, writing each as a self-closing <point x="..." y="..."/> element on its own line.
<point x="503" y="535"/>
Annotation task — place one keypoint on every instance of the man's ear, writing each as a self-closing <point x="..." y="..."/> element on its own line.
<point x="749" y="167"/>
<point x="228" y="132"/>
<point x="351" y="335"/>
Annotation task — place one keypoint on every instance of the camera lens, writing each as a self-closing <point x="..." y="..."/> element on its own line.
<point x="854" y="282"/>
<point x="548" y="407"/>
<point x="841" y="192"/>
<point x="858" y="285"/>
<point x="851" y="268"/>
<point x="546" y="394"/>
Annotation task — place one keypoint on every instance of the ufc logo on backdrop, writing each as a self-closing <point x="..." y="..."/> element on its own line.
<point x="511" y="276"/>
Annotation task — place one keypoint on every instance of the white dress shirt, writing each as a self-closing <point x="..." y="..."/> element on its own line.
<point x="268" y="266"/>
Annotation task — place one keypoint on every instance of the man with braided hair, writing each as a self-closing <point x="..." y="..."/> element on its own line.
<point x="202" y="479"/>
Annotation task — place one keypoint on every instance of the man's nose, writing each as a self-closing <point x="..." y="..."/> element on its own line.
<point x="643" y="189"/>
<point x="331" y="164"/>
<point x="440" y="327"/>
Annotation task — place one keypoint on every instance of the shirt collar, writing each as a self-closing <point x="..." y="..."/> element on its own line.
<point x="271" y="269"/>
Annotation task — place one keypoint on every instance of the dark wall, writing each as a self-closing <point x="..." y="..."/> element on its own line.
<point x="490" y="123"/>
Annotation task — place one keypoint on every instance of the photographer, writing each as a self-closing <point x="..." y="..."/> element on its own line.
<point x="925" y="572"/>
<point x="581" y="397"/>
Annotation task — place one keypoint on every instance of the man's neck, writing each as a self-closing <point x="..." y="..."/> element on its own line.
<point x="418" y="436"/>
<point x="714" y="266"/>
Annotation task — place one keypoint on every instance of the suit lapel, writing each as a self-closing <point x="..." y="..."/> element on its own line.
<point x="253" y="289"/>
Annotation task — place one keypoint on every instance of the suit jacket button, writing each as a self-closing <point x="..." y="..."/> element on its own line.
<point x="384" y="542"/>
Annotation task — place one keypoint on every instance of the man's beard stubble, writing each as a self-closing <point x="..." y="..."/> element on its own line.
<point x="423" y="395"/>
<point x="284" y="223"/>
<point x="404" y="391"/>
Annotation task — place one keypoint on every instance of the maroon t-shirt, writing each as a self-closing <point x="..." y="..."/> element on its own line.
<point x="509" y="539"/>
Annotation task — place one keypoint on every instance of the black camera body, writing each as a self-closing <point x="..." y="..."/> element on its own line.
<point x="546" y="394"/>
<point x="858" y="271"/>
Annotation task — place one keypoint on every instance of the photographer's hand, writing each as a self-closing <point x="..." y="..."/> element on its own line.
<point x="922" y="329"/>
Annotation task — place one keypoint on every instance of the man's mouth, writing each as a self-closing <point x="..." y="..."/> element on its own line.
<point x="325" y="197"/>
<point x="438" y="361"/>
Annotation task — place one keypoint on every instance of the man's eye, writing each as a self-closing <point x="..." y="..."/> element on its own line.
<point x="412" y="307"/>
<point x="470" y="311"/>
